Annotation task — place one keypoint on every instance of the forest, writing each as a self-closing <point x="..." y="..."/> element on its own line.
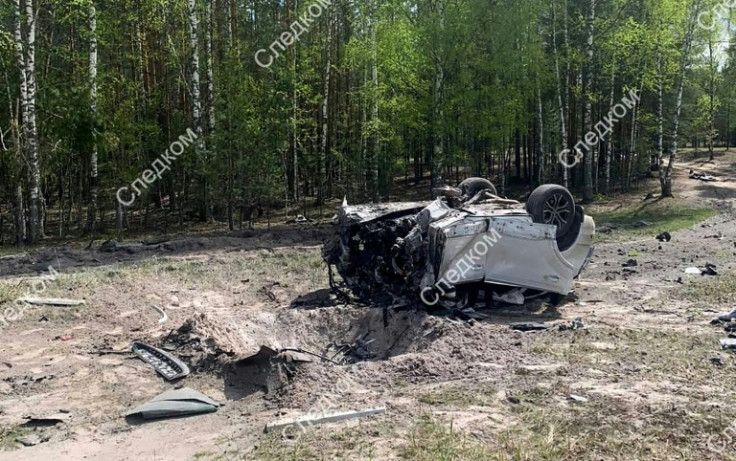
<point x="221" y="108"/>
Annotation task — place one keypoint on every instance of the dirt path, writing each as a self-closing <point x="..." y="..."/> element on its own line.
<point x="648" y="349"/>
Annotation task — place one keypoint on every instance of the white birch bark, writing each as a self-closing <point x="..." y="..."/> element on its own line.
<point x="325" y="114"/>
<point x="210" y="74"/>
<point x="93" y="180"/>
<point x="711" y="97"/>
<point x="540" y="148"/>
<point x="197" y="101"/>
<point x="374" y="155"/>
<point x="609" y="142"/>
<point x="590" y="154"/>
<point x="195" y="83"/>
<point x="34" y="183"/>
<point x="560" y="88"/>
<point x="666" y="178"/>
<point x="439" y="113"/>
<point x="566" y="171"/>
<point x="20" y="220"/>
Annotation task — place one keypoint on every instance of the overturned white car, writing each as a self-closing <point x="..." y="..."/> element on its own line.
<point x="468" y="241"/>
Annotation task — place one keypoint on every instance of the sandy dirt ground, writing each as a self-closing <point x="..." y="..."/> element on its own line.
<point x="648" y="365"/>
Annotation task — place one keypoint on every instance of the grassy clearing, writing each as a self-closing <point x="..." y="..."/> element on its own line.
<point x="304" y="265"/>
<point x="256" y="266"/>
<point x="11" y="250"/>
<point x="10" y="292"/>
<point x="431" y="440"/>
<point x="709" y="291"/>
<point x="229" y="455"/>
<point x="547" y="428"/>
<point x="8" y="436"/>
<point x="640" y="355"/>
<point x="681" y="406"/>
<point x="349" y="443"/>
<point x="668" y="215"/>
<point x="458" y="396"/>
<point x="606" y="428"/>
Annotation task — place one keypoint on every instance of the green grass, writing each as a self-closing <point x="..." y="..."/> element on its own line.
<point x="607" y="428"/>
<point x="229" y="455"/>
<point x="10" y="292"/>
<point x="431" y="440"/>
<point x="668" y="215"/>
<point x="680" y="356"/>
<point x="322" y="443"/>
<point x="457" y="396"/>
<point x="711" y="291"/>
<point x="11" y="250"/>
<point x="8" y="436"/>
<point x="259" y="266"/>
<point x="543" y="427"/>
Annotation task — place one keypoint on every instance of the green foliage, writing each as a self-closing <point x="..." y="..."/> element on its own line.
<point x="456" y="84"/>
<point x="667" y="215"/>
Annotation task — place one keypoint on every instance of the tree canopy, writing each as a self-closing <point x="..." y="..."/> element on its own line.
<point x="359" y="95"/>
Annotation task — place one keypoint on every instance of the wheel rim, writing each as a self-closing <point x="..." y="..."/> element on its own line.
<point x="557" y="211"/>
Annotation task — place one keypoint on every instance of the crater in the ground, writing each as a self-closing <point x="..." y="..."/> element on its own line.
<point x="257" y="351"/>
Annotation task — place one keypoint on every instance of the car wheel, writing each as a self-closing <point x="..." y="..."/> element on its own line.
<point x="566" y="242"/>
<point x="554" y="205"/>
<point x="471" y="186"/>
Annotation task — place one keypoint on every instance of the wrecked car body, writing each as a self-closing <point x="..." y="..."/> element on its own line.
<point x="467" y="241"/>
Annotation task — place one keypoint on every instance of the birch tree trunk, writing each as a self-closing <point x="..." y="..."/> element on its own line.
<point x="210" y="75"/>
<point x="210" y="148"/>
<point x="295" y="124"/>
<point x="19" y="221"/>
<point x="666" y="178"/>
<point x="609" y="143"/>
<point x="27" y="70"/>
<point x="21" y="56"/>
<point x="93" y="180"/>
<point x="539" y="179"/>
<point x="660" y="112"/>
<point x="325" y="114"/>
<point x="439" y="113"/>
<point x="367" y="158"/>
<point x="560" y="99"/>
<point x="20" y="218"/>
<point x="34" y="183"/>
<point x="566" y="89"/>
<point x="374" y="117"/>
<point x="632" y="147"/>
<point x="539" y="172"/>
<point x="140" y="71"/>
<point x="197" y="101"/>
<point x="712" y="98"/>
<point x="588" y="162"/>
<point x="19" y="215"/>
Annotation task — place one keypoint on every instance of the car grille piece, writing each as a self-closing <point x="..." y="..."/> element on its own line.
<point x="164" y="363"/>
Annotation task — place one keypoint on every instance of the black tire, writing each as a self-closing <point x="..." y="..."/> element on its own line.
<point x="471" y="186"/>
<point x="566" y="242"/>
<point x="552" y="204"/>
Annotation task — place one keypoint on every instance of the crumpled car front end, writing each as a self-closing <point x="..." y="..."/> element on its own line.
<point x="365" y="250"/>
